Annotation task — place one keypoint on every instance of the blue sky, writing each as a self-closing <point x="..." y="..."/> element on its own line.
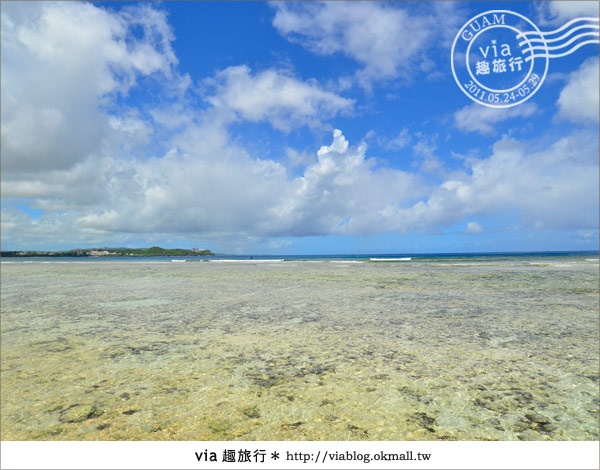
<point x="256" y="127"/>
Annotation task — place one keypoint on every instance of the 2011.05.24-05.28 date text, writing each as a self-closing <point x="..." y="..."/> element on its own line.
<point x="503" y="97"/>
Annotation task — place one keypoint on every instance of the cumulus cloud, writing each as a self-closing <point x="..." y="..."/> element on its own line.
<point x="235" y="193"/>
<point x="482" y="119"/>
<point x="274" y="96"/>
<point x="220" y="196"/>
<point x="61" y="63"/>
<point x="386" y="40"/>
<point x="67" y="144"/>
<point x="542" y="184"/>
<point x="341" y="192"/>
<point x="579" y="101"/>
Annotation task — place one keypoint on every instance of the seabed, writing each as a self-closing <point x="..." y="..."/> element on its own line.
<point x="414" y="350"/>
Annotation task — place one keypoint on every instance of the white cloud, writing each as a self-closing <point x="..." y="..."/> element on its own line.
<point x="542" y="185"/>
<point x="343" y="192"/>
<point x="278" y="244"/>
<point x="425" y="149"/>
<point x="482" y="119"/>
<point x="130" y="129"/>
<point x="218" y="191"/>
<point x="402" y="139"/>
<point x="61" y="63"/>
<point x="474" y="228"/>
<point x="64" y="145"/>
<point x="561" y="12"/>
<point x="274" y="96"/>
<point x="540" y="182"/>
<point x="425" y="146"/>
<point x="579" y="101"/>
<point x="386" y="40"/>
<point x="299" y="158"/>
<point x="340" y="184"/>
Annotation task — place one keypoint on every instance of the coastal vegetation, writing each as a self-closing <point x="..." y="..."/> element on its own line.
<point x="94" y="252"/>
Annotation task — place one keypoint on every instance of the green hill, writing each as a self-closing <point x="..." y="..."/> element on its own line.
<point x="152" y="251"/>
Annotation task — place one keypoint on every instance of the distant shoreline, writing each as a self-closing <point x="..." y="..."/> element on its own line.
<point x="156" y="252"/>
<point x="107" y="252"/>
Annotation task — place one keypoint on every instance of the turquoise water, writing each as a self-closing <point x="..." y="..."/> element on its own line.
<point x="450" y="348"/>
<point x="422" y="257"/>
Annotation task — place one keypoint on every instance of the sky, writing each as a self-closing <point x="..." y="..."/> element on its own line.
<point x="287" y="128"/>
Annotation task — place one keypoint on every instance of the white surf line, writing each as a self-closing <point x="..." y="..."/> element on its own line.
<point x="246" y="260"/>
<point x="390" y="259"/>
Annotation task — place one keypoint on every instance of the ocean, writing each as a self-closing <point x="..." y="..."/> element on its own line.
<point x="486" y="256"/>
<point x="435" y="347"/>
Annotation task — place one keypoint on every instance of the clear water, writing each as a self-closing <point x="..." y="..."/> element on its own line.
<point x="492" y="348"/>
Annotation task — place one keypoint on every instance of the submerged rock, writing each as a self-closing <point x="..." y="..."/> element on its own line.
<point x="292" y="425"/>
<point x="540" y="423"/>
<point x="425" y="421"/>
<point x="219" y="427"/>
<point x="251" y="412"/>
<point x="537" y="418"/>
<point x="357" y="429"/>
<point x="534" y="422"/>
<point x="528" y="435"/>
<point x="79" y="413"/>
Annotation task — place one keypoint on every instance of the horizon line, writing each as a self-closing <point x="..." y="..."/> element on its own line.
<point x="441" y="253"/>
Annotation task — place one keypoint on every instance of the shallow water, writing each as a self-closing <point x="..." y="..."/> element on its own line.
<point x="491" y="350"/>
